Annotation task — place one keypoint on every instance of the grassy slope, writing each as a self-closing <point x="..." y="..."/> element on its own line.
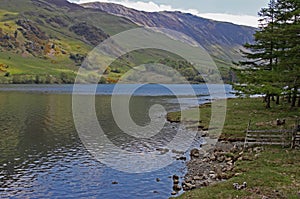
<point x="11" y="10"/>
<point x="29" y="65"/>
<point x="68" y="41"/>
<point x="275" y="173"/>
<point x="109" y="23"/>
<point x="239" y="112"/>
<point x="32" y="65"/>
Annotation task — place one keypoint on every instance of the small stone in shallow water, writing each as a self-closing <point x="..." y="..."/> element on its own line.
<point x="162" y="150"/>
<point x="175" y="177"/>
<point x="174" y="193"/>
<point x="181" y="158"/>
<point x="177" y="152"/>
<point x="176" y="187"/>
<point x="195" y="153"/>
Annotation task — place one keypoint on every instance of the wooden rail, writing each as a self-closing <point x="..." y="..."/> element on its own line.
<point x="296" y="136"/>
<point x="281" y="137"/>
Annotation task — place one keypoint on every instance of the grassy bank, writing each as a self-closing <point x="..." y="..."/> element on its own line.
<point x="273" y="173"/>
<point x="239" y="112"/>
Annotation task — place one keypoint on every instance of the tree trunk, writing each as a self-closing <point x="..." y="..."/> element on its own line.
<point x="273" y="98"/>
<point x="294" y="97"/>
<point x="268" y="98"/>
<point x="277" y="99"/>
<point x="265" y="99"/>
<point x="299" y="102"/>
<point x="289" y="97"/>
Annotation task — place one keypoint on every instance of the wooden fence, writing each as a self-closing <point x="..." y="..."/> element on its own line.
<point x="296" y="136"/>
<point x="281" y="137"/>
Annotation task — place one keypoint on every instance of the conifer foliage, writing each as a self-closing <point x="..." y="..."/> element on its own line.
<point x="272" y="66"/>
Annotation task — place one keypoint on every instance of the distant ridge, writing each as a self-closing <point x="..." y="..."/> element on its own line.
<point x="45" y="41"/>
<point x="220" y="39"/>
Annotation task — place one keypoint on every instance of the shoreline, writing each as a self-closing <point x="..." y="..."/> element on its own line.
<point x="211" y="162"/>
<point x="228" y="169"/>
<point x="210" y="165"/>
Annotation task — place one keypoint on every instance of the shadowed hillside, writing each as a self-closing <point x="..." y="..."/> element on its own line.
<point x="222" y="40"/>
<point x="46" y="41"/>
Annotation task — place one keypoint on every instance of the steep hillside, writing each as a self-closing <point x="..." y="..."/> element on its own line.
<point x="45" y="41"/>
<point x="222" y="40"/>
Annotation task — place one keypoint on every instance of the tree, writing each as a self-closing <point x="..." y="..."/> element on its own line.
<point x="289" y="20"/>
<point x="259" y="72"/>
<point x="272" y="61"/>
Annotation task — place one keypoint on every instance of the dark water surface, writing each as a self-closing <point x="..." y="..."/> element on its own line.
<point x="41" y="155"/>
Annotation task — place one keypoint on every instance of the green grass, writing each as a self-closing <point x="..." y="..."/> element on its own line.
<point x="62" y="37"/>
<point x="66" y="40"/>
<point x="19" y="65"/>
<point x="239" y="112"/>
<point x="274" y="174"/>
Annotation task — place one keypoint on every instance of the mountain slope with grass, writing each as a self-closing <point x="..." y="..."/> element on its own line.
<point x="222" y="40"/>
<point x="45" y="41"/>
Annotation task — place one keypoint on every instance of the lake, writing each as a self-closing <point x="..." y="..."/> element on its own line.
<point x="42" y="156"/>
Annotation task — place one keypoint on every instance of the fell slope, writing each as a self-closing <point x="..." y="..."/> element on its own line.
<point x="45" y="41"/>
<point x="221" y="39"/>
<point x="49" y="39"/>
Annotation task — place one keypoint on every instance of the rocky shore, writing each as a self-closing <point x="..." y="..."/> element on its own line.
<point x="216" y="164"/>
<point x="211" y="164"/>
<point x="223" y="162"/>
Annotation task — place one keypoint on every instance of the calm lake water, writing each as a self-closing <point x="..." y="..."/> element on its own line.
<point x="41" y="155"/>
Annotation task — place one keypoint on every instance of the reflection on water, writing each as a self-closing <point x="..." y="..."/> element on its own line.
<point x="41" y="155"/>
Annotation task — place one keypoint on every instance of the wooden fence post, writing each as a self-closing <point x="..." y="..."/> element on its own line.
<point x="248" y="127"/>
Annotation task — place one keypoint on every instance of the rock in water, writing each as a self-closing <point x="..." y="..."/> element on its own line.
<point x="176" y="187"/>
<point x="175" y="177"/>
<point x="195" y="153"/>
<point x="174" y="193"/>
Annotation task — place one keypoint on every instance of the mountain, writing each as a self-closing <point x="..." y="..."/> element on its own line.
<point x="50" y="38"/>
<point x="45" y="41"/>
<point x="222" y="40"/>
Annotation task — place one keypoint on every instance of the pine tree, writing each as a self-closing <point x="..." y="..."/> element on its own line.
<point x="289" y="20"/>
<point x="260" y="72"/>
<point x="273" y="62"/>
